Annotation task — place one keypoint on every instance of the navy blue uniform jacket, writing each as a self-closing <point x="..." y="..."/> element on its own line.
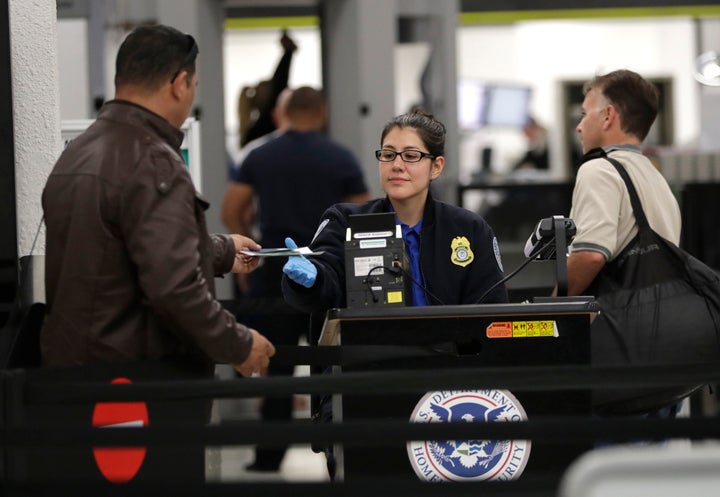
<point x="450" y="279"/>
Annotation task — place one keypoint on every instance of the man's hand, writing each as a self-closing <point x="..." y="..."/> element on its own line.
<point x="244" y="263"/>
<point x="298" y="268"/>
<point x="260" y="353"/>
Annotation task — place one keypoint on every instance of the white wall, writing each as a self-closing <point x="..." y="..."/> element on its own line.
<point x="36" y="123"/>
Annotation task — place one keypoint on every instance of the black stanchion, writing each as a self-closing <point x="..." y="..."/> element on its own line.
<point x="49" y="412"/>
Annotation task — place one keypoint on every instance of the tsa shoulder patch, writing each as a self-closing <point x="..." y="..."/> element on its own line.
<point x="461" y="254"/>
<point x="496" y="249"/>
<point x="320" y="228"/>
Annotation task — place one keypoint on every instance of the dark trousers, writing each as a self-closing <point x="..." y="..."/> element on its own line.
<point x="282" y="325"/>
<point x="280" y="330"/>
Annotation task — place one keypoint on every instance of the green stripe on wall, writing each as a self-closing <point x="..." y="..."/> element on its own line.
<point x="271" y="22"/>
<point x="500" y="17"/>
<point x="510" y="16"/>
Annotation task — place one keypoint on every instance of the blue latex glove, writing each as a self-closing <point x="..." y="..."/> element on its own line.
<point x="298" y="268"/>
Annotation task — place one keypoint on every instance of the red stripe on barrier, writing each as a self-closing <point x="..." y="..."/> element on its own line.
<point x="119" y="464"/>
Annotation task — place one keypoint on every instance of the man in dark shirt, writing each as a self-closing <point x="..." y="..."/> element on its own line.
<point x="293" y="178"/>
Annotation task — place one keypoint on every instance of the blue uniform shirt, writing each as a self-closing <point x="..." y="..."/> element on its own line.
<point x="411" y="237"/>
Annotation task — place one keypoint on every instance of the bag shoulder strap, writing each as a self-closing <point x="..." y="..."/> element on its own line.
<point x="634" y="199"/>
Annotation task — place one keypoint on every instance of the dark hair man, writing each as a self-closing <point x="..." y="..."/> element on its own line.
<point x="130" y="263"/>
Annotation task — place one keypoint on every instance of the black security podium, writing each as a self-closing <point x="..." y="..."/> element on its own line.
<point x="472" y="336"/>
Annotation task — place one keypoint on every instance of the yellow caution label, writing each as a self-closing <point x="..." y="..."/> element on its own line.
<point x="394" y="297"/>
<point x="522" y="329"/>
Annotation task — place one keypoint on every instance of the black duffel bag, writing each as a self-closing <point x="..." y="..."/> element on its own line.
<point x="658" y="306"/>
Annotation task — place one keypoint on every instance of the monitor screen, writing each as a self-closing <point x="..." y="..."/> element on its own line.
<point x="507" y="106"/>
<point x="492" y="104"/>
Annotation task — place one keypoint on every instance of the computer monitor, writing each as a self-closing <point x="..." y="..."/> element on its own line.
<point x="483" y="104"/>
<point x="507" y="106"/>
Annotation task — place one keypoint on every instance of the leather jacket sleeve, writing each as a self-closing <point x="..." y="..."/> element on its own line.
<point x="163" y="238"/>
<point x="223" y="253"/>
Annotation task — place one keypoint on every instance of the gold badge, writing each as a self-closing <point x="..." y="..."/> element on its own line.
<point x="461" y="254"/>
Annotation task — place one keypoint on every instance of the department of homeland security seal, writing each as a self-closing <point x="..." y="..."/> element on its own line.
<point x="468" y="460"/>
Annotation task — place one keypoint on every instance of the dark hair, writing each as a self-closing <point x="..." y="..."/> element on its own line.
<point x="431" y="131"/>
<point x="635" y="98"/>
<point x="153" y="55"/>
<point x="305" y="100"/>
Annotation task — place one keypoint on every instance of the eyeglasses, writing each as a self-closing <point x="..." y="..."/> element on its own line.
<point x="386" y="155"/>
<point x="189" y="58"/>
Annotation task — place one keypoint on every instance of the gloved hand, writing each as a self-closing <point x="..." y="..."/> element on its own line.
<point x="298" y="268"/>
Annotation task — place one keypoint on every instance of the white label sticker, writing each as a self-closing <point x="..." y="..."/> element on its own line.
<point x="372" y="234"/>
<point x="363" y="265"/>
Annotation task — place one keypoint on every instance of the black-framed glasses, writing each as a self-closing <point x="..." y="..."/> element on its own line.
<point x="387" y="155"/>
<point x="189" y="57"/>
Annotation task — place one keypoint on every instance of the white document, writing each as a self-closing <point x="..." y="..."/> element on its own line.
<point x="280" y="252"/>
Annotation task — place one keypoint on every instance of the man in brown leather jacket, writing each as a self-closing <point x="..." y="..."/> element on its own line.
<point x="130" y="263"/>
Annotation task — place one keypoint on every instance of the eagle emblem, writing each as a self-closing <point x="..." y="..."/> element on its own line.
<point x="474" y="459"/>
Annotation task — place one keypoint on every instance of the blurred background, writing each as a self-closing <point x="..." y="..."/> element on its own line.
<point x="504" y="76"/>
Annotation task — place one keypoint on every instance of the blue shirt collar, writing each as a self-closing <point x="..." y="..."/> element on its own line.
<point x="405" y="228"/>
